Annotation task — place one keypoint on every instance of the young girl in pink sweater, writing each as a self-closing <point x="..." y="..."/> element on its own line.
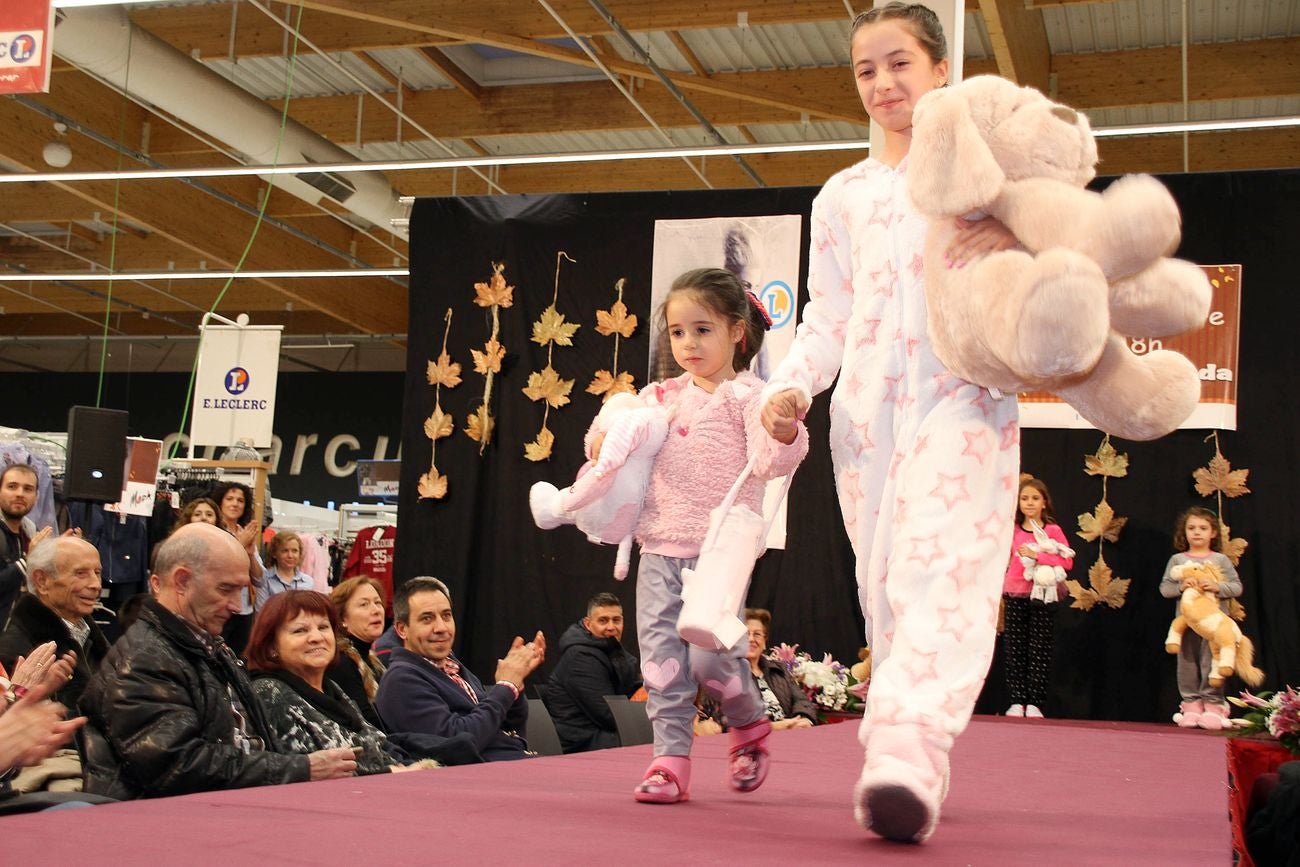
<point x="716" y="327"/>
<point x="1027" y="628"/>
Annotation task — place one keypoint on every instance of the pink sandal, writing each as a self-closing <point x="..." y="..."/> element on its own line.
<point x="749" y="756"/>
<point x="667" y="781"/>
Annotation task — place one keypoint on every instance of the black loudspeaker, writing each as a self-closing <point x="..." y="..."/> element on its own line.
<point x="96" y="454"/>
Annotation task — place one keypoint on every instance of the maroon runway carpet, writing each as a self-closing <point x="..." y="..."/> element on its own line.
<point x="1040" y="793"/>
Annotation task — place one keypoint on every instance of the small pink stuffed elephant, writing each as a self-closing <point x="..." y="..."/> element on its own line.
<point x="605" y="500"/>
<point x="1052" y="315"/>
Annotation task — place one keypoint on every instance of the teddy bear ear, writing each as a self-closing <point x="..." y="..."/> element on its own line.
<point x="950" y="169"/>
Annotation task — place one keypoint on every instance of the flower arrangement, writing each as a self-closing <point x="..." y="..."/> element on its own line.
<point x="827" y="683"/>
<point x="1276" y="714"/>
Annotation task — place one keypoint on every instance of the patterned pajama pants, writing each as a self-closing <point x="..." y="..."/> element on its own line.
<point x="927" y="487"/>
<point x="675" y="669"/>
<point x="1027" y="648"/>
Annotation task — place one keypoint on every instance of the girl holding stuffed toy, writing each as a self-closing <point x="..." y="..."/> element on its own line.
<point x="1037" y="544"/>
<point x="715" y="326"/>
<point x="1197" y="539"/>
<point x="925" y="463"/>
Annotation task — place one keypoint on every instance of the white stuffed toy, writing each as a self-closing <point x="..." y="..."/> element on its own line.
<point x="605" y="500"/>
<point x="1045" y="578"/>
<point x="1052" y="316"/>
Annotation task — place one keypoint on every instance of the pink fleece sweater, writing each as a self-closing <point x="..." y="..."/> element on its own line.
<point x="710" y="439"/>
<point x="1016" y="584"/>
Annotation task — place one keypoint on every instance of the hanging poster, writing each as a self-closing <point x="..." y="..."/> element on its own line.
<point x="25" y="38"/>
<point x="234" y="390"/>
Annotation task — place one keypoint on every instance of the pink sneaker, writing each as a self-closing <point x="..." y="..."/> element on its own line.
<point x="1016" y="710"/>
<point x="667" y="781"/>
<point x="1189" y="714"/>
<point x="1032" y="712"/>
<point x="749" y="756"/>
<point x="902" y="784"/>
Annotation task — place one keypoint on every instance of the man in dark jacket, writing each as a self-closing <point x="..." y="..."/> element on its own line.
<point x="427" y="691"/>
<point x="17" y="532"/>
<point x="593" y="664"/>
<point x="171" y="711"/>
<point x="64" y="578"/>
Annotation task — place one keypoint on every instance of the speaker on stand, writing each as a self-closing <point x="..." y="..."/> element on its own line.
<point x="96" y="454"/>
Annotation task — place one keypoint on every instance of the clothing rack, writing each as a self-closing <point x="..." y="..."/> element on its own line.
<point x="251" y="473"/>
<point x="355" y="517"/>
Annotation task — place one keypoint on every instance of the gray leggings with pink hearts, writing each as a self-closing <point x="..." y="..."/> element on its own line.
<point x="674" y="669"/>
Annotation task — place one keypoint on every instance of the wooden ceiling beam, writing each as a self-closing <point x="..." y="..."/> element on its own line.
<point x="450" y="70"/>
<point x="1019" y="41"/>
<point x="200" y="222"/>
<point x="207" y="28"/>
<point x="1259" y="68"/>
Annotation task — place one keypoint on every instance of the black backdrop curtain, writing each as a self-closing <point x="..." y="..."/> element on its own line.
<point x="509" y="578"/>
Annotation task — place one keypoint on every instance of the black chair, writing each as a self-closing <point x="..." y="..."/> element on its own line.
<point x="631" y="720"/>
<point x="541" y="735"/>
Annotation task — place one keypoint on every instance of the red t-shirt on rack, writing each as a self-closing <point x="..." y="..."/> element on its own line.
<point x="372" y="555"/>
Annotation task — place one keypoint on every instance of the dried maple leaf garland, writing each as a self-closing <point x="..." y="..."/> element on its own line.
<point x="545" y="385"/>
<point x="1102" y="526"/>
<point x="1218" y="479"/>
<point x="618" y="323"/>
<point x="494" y="295"/>
<point x="441" y="373"/>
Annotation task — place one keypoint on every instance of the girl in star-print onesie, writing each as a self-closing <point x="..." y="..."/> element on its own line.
<point x="926" y="464"/>
<point x="715" y="327"/>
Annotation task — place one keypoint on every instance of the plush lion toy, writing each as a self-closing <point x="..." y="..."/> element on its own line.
<point x="1092" y="267"/>
<point x="605" y="500"/>
<point x="1198" y="608"/>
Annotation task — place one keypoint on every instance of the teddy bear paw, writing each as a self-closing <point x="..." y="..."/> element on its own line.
<point x="1170" y="297"/>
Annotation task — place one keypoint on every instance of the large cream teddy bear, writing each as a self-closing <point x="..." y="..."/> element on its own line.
<point x="1052" y="316"/>
<point x="605" y="500"/>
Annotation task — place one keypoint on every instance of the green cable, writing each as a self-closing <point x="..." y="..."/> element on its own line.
<point x="261" y="212"/>
<point x="117" y="212"/>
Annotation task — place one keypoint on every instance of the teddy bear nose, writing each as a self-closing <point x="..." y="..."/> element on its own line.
<point x="1065" y="114"/>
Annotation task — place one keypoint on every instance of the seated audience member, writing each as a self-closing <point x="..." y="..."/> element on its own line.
<point x="427" y="691"/>
<point x="359" y="603"/>
<point x="592" y="665"/>
<point x="33" y="729"/>
<point x="200" y="510"/>
<point x="63" y="574"/>
<point x="785" y="702"/>
<point x="1273" y="822"/>
<point x="170" y="710"/>
<point x="291" y="648"/>
<point x="285" y="554"/>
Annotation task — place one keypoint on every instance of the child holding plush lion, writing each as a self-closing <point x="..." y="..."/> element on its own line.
<point x="1197" y="540"/>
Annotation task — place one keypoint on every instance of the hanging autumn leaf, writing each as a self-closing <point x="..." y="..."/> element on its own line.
<point x="432" y="486"/>
<point x="495" y="291"/>
<point x="488" y="361"/>
<point x="540" y="448"/>
<point x="616" y="319"/>
<point x="1230" y="547"/>
<point x="609" y="385"/>
<point x="1084" y="597"/>
<point x="1220" y="478"/>
<point x="1106" y="462"/>
<point x="1108" y="588"/>
<point x="1236" y="610"/>
<point x="1100" y="523"/>
<point x="551" y="326"/>
<point x="444" y="371"/>
<point x="548" y="386"/>
<point x="438" y="425"/>
<point x="478" y="426"/>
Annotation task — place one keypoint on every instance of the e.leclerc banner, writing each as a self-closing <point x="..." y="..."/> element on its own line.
<point x="26" y="32"/>
<point x="1212" y="348"/>
<point x="234" y="389"/>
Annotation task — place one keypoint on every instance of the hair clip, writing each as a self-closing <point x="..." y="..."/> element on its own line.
<point x="762" y="311"/>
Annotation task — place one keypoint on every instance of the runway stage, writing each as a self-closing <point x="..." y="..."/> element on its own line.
<point x="1023" y="792"/>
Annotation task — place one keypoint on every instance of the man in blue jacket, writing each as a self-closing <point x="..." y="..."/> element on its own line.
<point x="427" y="691"/>
<point x="593" y="664"/>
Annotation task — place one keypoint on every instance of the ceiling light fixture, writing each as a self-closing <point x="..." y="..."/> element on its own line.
<point x="105" y="276"/>
<point x="591" y="156"/>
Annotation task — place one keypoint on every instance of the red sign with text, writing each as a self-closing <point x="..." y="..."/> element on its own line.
<point x="26" y="33"/>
